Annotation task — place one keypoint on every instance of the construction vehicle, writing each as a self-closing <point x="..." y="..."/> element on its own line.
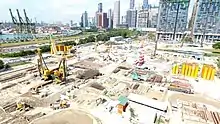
<point x="58" y="74"/>
<point x="22" y="106"/>
<point x="60" y="104"/>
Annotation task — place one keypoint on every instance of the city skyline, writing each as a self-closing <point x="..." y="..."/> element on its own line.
<point x="60" y="10"/>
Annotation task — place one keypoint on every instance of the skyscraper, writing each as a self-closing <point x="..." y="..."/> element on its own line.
<point x="131" y="18"/>
<point x="169" y="21"/>
<point x="100" y="7"/>
<point x="142" y="18"/>
<point x="85" y="19"/>
<point x="99" y="17"/>
<point x="110" y="18"/>
<point x="104" y="20"/>
<point x="132" y="4"/>
<point x="116" y="14"/>
<point x="153" y="16"/>
<point x="207" y="23"/>
<point x="145" y="4"/>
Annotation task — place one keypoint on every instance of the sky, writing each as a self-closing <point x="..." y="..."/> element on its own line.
<point x="60" y="10"/>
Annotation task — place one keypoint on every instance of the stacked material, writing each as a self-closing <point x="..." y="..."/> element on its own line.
<point x="175" y="69"/>
<point x="190" y="70"/>
<point x="208" y="72"/>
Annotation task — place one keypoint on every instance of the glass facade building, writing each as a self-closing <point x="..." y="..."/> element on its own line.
<point x="173" y="13"/>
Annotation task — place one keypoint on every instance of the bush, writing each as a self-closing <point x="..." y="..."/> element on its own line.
<point x="1" y="64"/>
<point x="216" y="45"/>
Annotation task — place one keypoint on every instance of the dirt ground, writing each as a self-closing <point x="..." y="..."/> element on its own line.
<point x="66" y="117"/>
<point x="194" y="98"/>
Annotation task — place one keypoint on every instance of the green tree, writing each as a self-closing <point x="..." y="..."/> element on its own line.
<point x="151" y="36"/>
<point x="1" y="64"/>
<point x="216" y="45"/>
<point x="218" y="62"/>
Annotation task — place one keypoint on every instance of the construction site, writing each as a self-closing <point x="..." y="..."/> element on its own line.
<point x="75" y="84"/>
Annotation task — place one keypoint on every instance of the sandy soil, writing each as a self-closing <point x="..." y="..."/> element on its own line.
<point x="194" y="98"/>
<point x="66" y="117"/>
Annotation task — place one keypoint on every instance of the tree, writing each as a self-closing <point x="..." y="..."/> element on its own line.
<point x="216" y="45"/>
<point x="218" y="62"/>
<point x="151" y="36"/>
<point x="1" y="64"/>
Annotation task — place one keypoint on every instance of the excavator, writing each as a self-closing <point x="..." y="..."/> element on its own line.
<point x="58" y="74"/>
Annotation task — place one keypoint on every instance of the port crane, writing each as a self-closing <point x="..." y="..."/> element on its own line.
<point x="22" y="25"/>
<point x="14" y="20"/>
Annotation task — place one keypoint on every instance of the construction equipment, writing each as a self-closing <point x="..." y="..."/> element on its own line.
<point x="22" y="106"/>
<point x="58" y="74"/>
<point x="61" y="72"/>
<point x="60" y="104"/>
<point x="44" y="72"/>
<point x="59" y="49"/>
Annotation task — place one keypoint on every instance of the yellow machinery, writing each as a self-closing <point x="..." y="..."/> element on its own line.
<point x="208" y="72"/>
<point x="61" y="72"/>
<point x="44" y="72"/>
<point x="23" y="106"/>
<point x="59" y="49"/>
<point x="57" y="74"/>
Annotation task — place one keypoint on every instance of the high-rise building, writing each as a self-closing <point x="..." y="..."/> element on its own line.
<point x="145" y="4"/>
<point x="100" y="7"/>
<point x="123" y="20"/>
<point x="153" y="16"/>
<point x="104" y="20"/>
<point x="208" y="17"/>
<point x="142" y="18"/>
<point x="110" y="17"/>
<point x="116" y="14"/>
<point x="207" y="21"/>
<point x="99" y="22"/>
<point x="132" y="4"/>
<point x="91" y="21"/>
<point x="171" y="23"/>
<point x="84" y="19"/>
<point x="131" y="18"/>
